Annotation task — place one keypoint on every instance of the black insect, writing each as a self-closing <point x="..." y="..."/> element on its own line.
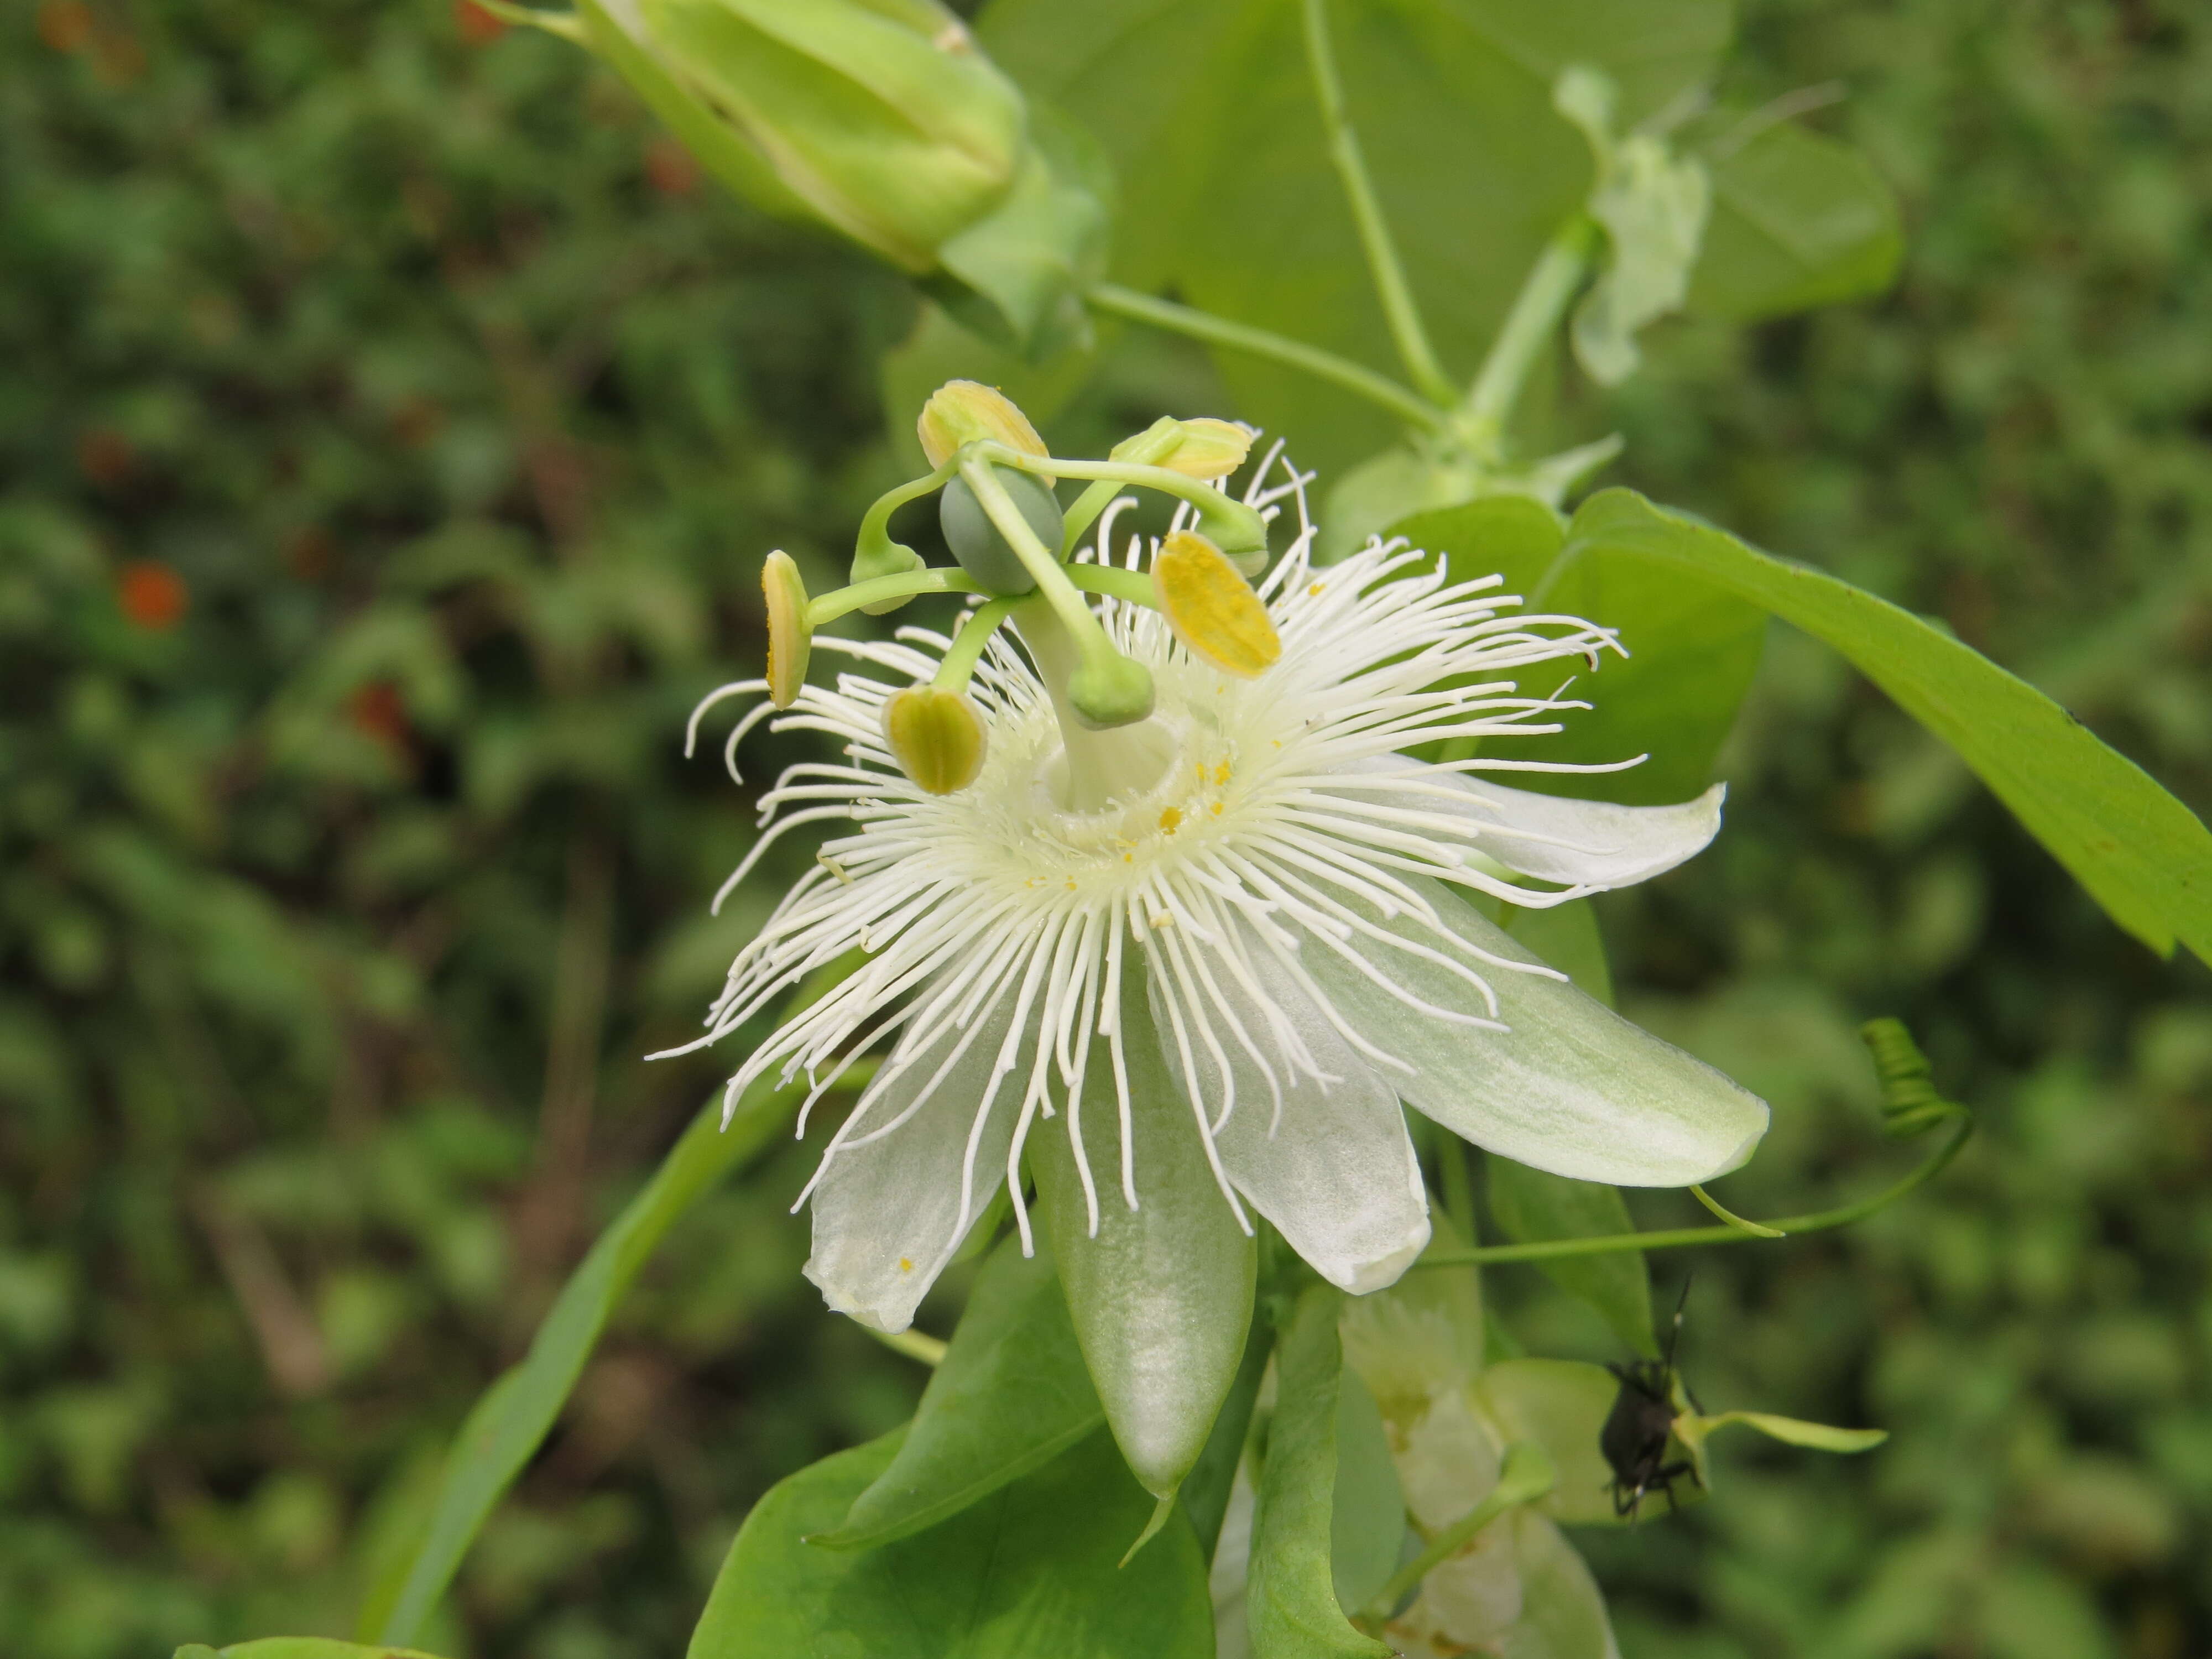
<point x="1637" y="1430"/>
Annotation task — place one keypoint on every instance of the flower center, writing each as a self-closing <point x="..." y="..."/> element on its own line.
<point x="1101" y="787"/>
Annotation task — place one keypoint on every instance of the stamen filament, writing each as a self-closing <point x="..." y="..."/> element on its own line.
<point x="906" y="586"/>
<point x="969" y="645"/>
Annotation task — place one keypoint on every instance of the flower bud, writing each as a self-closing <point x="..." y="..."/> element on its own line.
<point x="1212" y="609"/>
<point x="936" y="736"/>
<point x="879" y="117"/>
<point x="967" y="411"/>
<point x="789" y="637"/>
<point x="975" y="541"/>
<point x="1199" y="448"/>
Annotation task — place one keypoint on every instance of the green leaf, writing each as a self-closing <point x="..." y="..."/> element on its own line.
<point x="1798" y="220"/>
<point x="1290" y="1600"/>
<point x="1030" y="1571"/>
<point x="1010" y="1394"/>
<point x="2142" y="855"/>
<point x="297" y="1647"/>
<point x="512" y="1419"/>
<point x="1532" y="1205"/>
<point x="1367" y="1525"/>
<point x="1162" y="1296"/>
<point x="1693" y="650"/>
<point x="1561" y="1405"/>
<point x="1228" y="195"/>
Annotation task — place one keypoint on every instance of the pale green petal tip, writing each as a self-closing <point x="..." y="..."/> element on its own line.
<point x="1161" y="1511"/>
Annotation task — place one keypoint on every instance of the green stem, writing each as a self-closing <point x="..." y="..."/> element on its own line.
<point x="1052" y="584"/>
<point x="915" y="1345"/>
<point x="1550" y="287"/>
<point x="975" y="630"/>
<point x="845" y="600"/>
<point x="1552" y="1249"/>
<point x="1528" y="1474"/>
<point x="1358" y="379"/>
<point x="1134" y="585"/>
<point x="1391" y="287"/>
<point x="1733" y="1220"/>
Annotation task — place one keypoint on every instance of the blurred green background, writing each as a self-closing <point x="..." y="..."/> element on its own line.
<point x="391" y="422"/>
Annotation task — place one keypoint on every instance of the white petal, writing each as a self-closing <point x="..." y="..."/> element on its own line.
<point x="1593" y="843"/>
<point x="1571" y="1087"/>
<point x="1338" y="1175"/>
<point x="888" y="1213"/>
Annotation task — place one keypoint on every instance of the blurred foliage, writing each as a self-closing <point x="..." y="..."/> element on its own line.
<point x="393" y="426"/>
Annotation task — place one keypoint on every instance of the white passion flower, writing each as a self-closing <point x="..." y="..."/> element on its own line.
<point x="1213" y="948"/>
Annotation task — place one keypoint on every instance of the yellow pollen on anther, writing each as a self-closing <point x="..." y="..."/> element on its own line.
<point x="1315" y="588"/>
<point x="1211" y="608"/>
<point x="1223" y="772"/>
<point x="906" y="1264"/>
<point x="1170" y="819"/>
<point x="1215" y="809"/>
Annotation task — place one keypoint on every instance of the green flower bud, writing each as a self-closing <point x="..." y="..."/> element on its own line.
<point x="984" y="553"/>
<point x="790" y="639"/>
<point x="1109" y="691"/>
<point x="879" y="117"/>
<point x="967" y="411"/>
<point x="936" y="736"/>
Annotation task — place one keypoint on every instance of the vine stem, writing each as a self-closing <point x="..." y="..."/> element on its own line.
<point x="1552" y="1249"/>
<point x="1391" y="287"/>
<point x="1380" y="390"/>
<point x="1528" y="1474"/>
<point x="1545" y="293"/>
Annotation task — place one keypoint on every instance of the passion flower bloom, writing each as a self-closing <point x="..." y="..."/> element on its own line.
<point x="1260" y="904"/>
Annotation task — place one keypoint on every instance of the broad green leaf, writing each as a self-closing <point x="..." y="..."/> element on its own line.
<point x="1562" y="1404"/>
<point x="509" y="1425"/>
<point x="1030" y="1570"/>
<point x="1798" y="220"/>
<point x="1010" y="1394"/>
<point x="1693" y="650"/>
<point x="1290" y="1600"/>
<point x="1162" y="1296"/>
<point x="1227" y="194"/>
<point x="2142" y="855"/>
<point x="297" y="1647"/>
<point x="1532" y="1205"/>
<point x="1367" y="1524"/>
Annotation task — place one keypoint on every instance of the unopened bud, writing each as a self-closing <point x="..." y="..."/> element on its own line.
<point x="1212" y="609"/>
<point x="983" y="551"/>
<point x="967" y="411"/>
<point x="789" y="638"/>
<point x="879" y="117"/>
<point x="1199" y="448"/>
<point x="936" y="736"/>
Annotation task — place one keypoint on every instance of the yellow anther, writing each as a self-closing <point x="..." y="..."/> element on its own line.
<point x="1215" y="809"/>
<point x="1199" y="448"/>
<point x="789" y="638"/>
<point x="1222" y="773"/>
<point x="1171" y="820"/>
<point x="906" y="1264"/>
<point x="936" y="736"/>
<point x="963" y="411"/>
<point x="1315" y="588"/>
